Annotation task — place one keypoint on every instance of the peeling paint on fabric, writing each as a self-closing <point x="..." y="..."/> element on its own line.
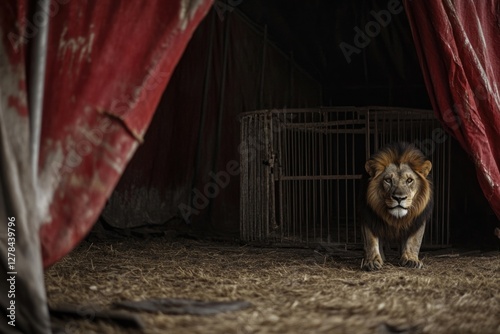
<point x="79" y="48"/>
<point x="12" y="82"/>
<point x="48" y="180"/>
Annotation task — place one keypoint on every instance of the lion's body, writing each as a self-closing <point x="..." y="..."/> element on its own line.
<point x="396" y="202"/>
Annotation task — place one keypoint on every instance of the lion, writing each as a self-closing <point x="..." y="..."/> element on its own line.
<point x="396" y="203"/>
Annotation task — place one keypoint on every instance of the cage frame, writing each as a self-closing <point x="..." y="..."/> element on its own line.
<point x="264" y="174"/>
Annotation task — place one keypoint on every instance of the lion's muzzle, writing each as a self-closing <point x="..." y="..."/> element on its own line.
<point x="398" y="205"/>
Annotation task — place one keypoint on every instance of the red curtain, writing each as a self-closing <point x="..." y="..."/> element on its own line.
<point x="458" y="44"/>
<point x="108" y="63"/>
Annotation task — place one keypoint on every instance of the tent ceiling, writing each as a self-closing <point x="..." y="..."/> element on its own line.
<point x="314" y="30"/>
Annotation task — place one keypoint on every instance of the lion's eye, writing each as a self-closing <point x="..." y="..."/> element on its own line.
<point x="409" y="180"/>
<point x="388" y="180"/>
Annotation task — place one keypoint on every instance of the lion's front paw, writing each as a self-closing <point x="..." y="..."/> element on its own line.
<point x="375" y="263"/>
<point x="410" y="262"/>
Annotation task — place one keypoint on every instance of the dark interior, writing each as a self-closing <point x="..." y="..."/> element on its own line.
<point x="313" y="58"/>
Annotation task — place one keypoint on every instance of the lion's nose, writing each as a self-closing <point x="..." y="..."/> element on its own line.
<point x="399" y="198"/>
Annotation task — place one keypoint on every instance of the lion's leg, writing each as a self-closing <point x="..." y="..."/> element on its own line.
<point x="411" y="248"/>
<point x="382" y="247"/>
<point x="373" y="259"/>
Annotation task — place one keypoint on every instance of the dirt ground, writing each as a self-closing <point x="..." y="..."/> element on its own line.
<point x="290" y="290"/>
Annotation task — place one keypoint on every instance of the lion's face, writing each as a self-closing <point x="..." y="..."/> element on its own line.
<point x="399" y="185"/>
<point x="398" y="188"/>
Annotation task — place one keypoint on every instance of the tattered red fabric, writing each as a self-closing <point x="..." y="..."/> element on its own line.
<point x="108" y="65"/>
<point x="458" y="44"/>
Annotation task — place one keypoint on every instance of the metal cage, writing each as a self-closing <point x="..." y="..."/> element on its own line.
<point x="300" y="171"/>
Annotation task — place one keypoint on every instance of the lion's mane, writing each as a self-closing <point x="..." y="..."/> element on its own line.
<point x="372" y="206"/>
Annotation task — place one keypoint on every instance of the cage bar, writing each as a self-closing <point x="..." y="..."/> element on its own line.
<point x="300" y="180"/>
